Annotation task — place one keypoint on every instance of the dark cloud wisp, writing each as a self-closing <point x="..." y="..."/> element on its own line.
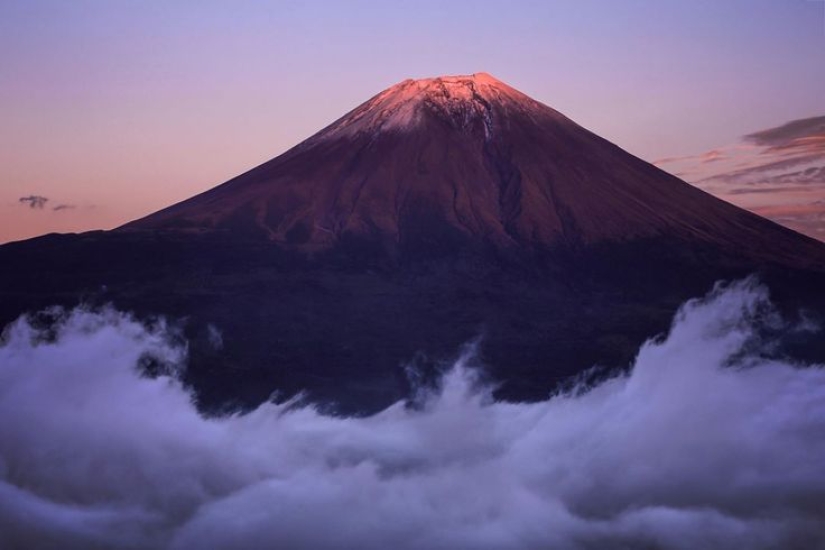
<point x="38" y="202"/>
<point x="789" y="132"/>
<point x="34" y="201"/>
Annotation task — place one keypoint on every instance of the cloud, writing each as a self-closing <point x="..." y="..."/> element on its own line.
<point x="671" y="160"/>
<point x="791" y="132"/>
<point x="768" y="170"/>
<point x="38" y="202"/>
<point x="705" y="443"/>
<point x="802" y="169"/>
<point x="712" y="156"/>
<point x="763" y="190"/>
<point x="214" y="336"/>
<point x="799" y="142"/>
<point x="34" y="201"/>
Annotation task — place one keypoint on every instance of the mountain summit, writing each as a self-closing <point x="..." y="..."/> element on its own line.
<point x="460" y="160"/>
<point x="464" y="99"/>
<point x="440" y="211"/>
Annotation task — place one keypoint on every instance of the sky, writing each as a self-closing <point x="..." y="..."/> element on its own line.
<point x="778" y="173"/>
<point x="113" y="109"/>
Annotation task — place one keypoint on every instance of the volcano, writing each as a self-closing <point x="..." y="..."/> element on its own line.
<point x="439" y="212"/>
<point x="470" y="161"/>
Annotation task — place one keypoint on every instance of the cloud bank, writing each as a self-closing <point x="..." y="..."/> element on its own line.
<point x="703" y="444"/>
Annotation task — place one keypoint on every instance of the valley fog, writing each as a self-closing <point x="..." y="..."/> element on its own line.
<point x="703" y="443"/>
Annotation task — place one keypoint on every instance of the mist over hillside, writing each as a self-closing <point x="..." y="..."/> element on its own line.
<point x="705" y="442"/>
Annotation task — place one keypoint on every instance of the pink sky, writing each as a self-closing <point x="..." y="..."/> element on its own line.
<point x="115" y="110"/>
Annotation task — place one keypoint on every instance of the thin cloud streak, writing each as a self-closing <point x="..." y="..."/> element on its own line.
<point x="35" y="202"/>
<point x="778" y="173"/>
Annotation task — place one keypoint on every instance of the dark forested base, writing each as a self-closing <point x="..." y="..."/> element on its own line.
<point x="344" y="326"/>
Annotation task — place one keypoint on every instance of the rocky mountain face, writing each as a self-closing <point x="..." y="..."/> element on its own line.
<point x="439" y="211"/>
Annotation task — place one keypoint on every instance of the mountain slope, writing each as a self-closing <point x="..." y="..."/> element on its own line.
<point x="465" y="158"/>
<point x="440" y="211"/>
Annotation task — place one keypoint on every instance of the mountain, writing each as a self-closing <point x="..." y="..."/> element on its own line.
<point x="440" y="211"/>
<point x="464" y="160"/>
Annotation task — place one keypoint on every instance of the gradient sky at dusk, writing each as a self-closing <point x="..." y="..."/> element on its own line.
<point x="114" y="109"/>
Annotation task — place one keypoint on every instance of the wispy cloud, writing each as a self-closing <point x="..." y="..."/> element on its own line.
<point x="38" y="202"/>
<point x="34" y="201"/>
<point x="790" y="132"/>
<point x="778" y="173"/>
<point x="713" y="156"/>
<point x="764" y="190"/>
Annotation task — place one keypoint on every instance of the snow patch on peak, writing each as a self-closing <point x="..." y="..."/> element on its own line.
<point x="460" y="98"/>
<point x="465" y="79"/>
<point x="486" y="78"/>
<point x="392" y="109"/>
<point x="466" y="87"/>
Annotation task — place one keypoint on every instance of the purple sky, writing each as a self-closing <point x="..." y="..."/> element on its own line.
<point x="114" y="109"/>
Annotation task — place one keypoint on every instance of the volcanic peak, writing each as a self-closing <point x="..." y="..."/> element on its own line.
<point x="459" y="98"/>
<point x="457" y="163"/>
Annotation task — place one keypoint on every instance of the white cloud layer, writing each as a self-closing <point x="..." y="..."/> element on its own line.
<point x="699" y="446"/>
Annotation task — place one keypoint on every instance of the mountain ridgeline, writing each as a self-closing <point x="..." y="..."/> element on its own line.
<point x="440" y="211"/>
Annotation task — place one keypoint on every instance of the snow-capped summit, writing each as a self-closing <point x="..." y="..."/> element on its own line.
<point x="463" y="98"/>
